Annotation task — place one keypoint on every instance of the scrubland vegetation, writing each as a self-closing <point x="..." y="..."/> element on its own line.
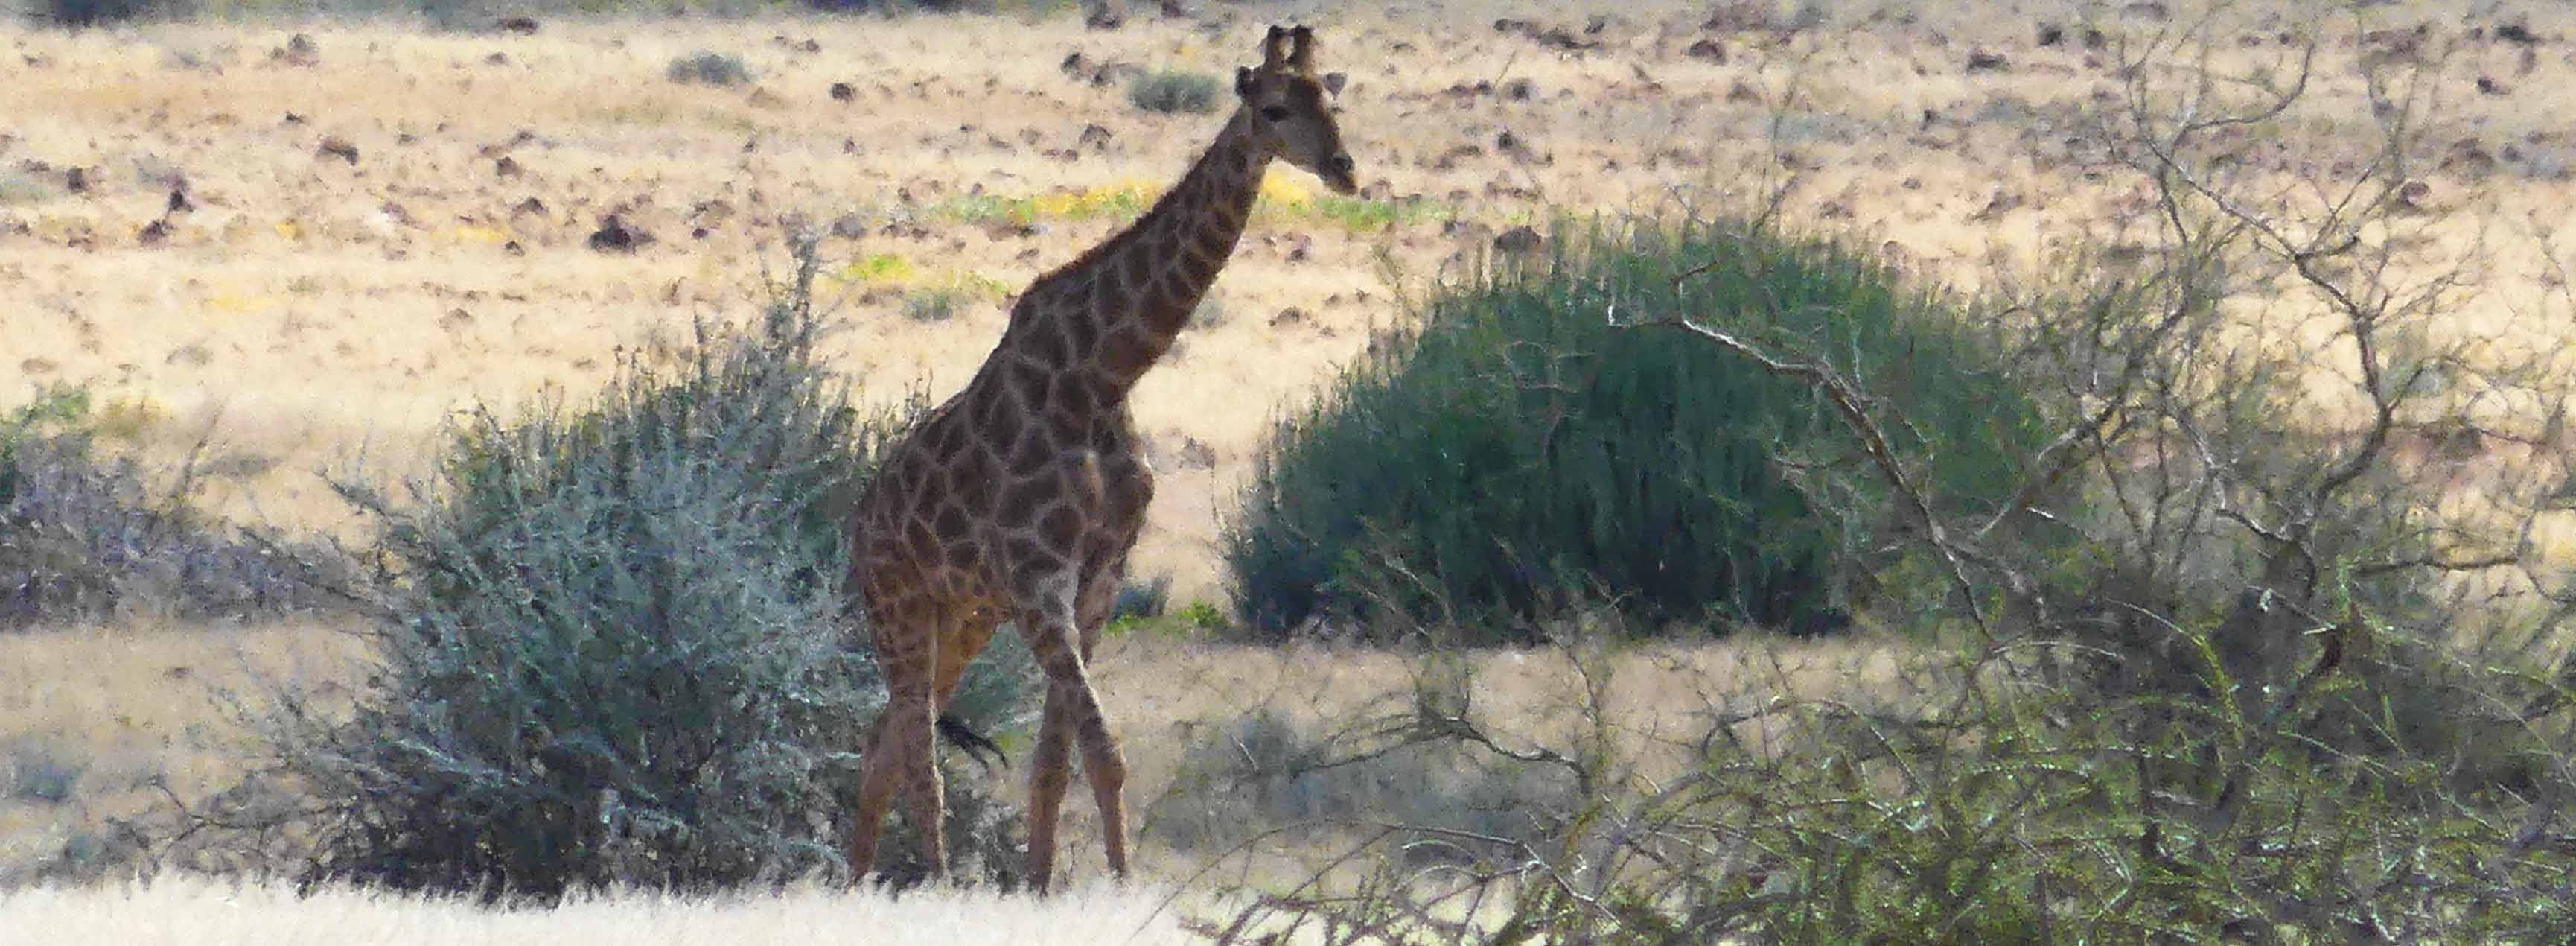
<point x="1711" y="568"/>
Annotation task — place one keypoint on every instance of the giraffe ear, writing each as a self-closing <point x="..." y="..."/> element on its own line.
<point x="1333" y="82"/>
<point x="1243" y="81"/>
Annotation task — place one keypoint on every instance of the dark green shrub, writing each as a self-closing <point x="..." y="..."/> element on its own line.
<point x="82" y="14"/>
<point x="617" y="653"/>
<point x="1520" y="450"/>
<point x="1173" y="90"/>
<point x="84" y="536"/>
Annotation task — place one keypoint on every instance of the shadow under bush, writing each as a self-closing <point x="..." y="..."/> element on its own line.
<point x="615" y="651"/>
<point x="1520" y="444"/>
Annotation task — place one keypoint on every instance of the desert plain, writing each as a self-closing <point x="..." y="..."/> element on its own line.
<point x="386" y="223"/>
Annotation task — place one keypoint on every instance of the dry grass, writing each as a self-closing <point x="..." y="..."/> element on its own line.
<point x="312" y="308"/>
<point x="207" y="912"/>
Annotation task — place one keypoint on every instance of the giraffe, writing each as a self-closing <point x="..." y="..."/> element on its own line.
<point x="1019" y="498"/>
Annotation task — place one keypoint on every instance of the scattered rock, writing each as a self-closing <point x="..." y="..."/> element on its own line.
<point x="334" y="146"/>
<point x="1519" y="90"/>
<point x="529" y="206"/>
<point x="2147" y="10"/>
<point x="1707" y="49"/>
<point x="456" y="320"/>
<point x="1552" y="37"/>
<point x="521" y="25"/>
<point x="2051" y="34"/>
<point x="505" y="167"/>
<point x="2487" y="85"/>
<point x="843" y="92"/>
<point x="1997" y="205"/>
<point x="76" y="180"/>
<point x="2396" y="45"/>
<point x="1095" y="137"/>
<point x="154" y="233"/>
<point x="1518" y="240"/>
<point x="1193" y="455"/>
<point x="1983" y="61"/>
<point x="179" y="202"/>
<point x="1289" y="317"/>
<point x="300" y="50"/>
<point x="1103" y="15"/>
<point x="497" y="59"/>
<point x="2466" y="156"/>
<point x="2517" y="33"/>
<point x="614" y="236"/>
<point x="2411" y="196"/>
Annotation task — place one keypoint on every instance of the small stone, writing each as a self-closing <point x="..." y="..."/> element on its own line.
<point x="614" y="236"/>
<point x="334" y="146"/>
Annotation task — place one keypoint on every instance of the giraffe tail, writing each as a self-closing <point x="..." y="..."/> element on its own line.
<point x="973" y="743"/>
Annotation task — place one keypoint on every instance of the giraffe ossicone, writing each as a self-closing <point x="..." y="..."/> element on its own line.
<point x="1018" y="499"/>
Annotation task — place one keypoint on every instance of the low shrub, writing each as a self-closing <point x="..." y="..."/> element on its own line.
<point x="84" y="535"/>
<point x="1520" y="453"/>
<point x="82" y="14"/>
<point x="616" y="652"/>
<point x="1173" y="91"/>
<point x="708" y="67"/>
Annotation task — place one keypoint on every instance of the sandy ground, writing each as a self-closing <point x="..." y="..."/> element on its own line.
<point x="395" y="225"/>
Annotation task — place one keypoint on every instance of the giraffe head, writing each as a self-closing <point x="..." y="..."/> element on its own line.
<point x="1292" y="110"/>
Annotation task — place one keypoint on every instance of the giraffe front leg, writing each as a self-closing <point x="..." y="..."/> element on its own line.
<point x="1073" y="710"/>
<point x="1051" y="767"/>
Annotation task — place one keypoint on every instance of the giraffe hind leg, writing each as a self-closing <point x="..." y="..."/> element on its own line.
<point x="899" y="756"/>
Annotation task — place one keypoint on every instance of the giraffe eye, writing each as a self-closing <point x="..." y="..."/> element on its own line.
<point x="1276" y="113"/>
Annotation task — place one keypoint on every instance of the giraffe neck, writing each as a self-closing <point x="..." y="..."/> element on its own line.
<point x="1147" y="280"/>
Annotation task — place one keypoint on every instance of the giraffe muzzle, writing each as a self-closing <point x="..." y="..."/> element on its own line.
<point x="1338" y="175"/>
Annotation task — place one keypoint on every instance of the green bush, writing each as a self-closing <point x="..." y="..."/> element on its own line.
<point x="617" y="652"/>
<point x="1173" y="90"/>
<point x="82" y="14"/>
<point x="84" y="536"/>
<point x="708" y="67"/>
<point x="1520" y="452"/>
